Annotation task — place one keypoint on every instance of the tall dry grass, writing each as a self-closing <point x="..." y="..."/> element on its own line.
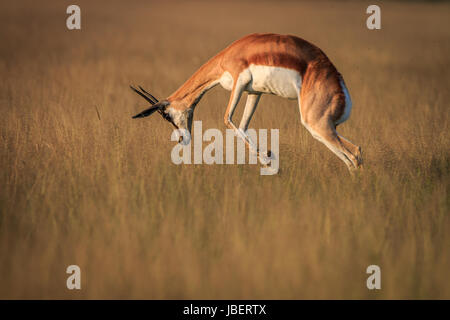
<point x="102" y="193"/>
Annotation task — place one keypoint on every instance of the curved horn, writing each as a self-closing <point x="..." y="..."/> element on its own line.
<point x="148" y="94"/>
<point x="156" y="105"/>
<point x="144" y="96"/>
<point x="148" y="111"/>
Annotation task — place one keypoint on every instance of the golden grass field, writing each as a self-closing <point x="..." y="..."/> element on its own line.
<point x="101" y="192"/>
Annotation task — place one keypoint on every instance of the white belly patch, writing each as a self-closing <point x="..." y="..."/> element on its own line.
<point x="280" y="81"/>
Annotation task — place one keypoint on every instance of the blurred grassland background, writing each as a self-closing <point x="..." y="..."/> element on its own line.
<point x="103" y="193"/>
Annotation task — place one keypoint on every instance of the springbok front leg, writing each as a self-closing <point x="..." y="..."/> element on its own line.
<point x="249" y="110"/>
<point x="236" y="93"/>
<point x="250" y="106"/>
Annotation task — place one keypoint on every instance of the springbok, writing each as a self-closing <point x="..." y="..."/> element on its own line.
<point x="283" y="65"/>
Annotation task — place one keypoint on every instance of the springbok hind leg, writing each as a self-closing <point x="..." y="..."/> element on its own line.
<point x="325" y="132"/>
<point x="354" y="149"/>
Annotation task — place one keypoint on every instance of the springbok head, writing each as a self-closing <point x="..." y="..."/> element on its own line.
<point x="181" y="120"/>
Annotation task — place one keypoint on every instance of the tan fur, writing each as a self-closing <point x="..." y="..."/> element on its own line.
<point x="321" y="98"/>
